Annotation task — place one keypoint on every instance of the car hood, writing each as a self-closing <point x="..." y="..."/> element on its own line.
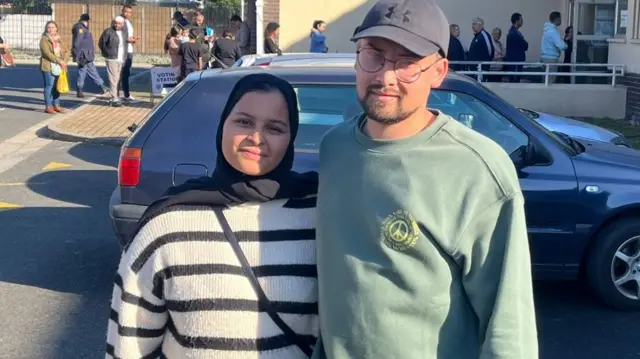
<point x="575" y="128"/>
<point x="610" y="154"/>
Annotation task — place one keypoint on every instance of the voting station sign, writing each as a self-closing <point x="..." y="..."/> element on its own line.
<point x="163" y="79"/>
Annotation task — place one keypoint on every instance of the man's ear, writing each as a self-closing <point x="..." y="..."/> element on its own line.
<point x="439" y="73"/>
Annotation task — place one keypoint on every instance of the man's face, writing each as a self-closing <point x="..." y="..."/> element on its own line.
<point x="520" y="22"/>
<point x="126" y="13"/>
<point x="386" y="99"/>
<point x="199" y="19"/>
<point x="235" y="24"/>
<point x="119" y="25"/>
<point x="455" y="31"/>
<point x="477" y="27"/>
<point x="558" y="21"/>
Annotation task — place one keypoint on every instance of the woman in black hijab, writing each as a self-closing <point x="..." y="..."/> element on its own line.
<point x="224" y="266"/>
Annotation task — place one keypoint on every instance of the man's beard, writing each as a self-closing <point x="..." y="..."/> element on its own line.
<point x="377" y="110"/>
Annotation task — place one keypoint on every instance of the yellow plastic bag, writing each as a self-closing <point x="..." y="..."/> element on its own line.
<point x="63" y="82"/>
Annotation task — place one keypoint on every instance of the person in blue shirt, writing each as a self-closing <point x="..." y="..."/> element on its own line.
<point x="83" y="54"/>
<point x="318" y="39"/>
<point x="517" y="46"/>
<point x="552" y="43"/>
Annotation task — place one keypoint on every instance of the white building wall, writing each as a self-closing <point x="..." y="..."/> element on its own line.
<point x="23" y="31"/>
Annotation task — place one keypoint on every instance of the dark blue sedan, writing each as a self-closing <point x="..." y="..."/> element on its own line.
<point x="582" y="198"/>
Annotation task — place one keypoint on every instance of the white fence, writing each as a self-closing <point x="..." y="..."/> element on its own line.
<point x="23" y="31"/>
<point x="546" y="70"/>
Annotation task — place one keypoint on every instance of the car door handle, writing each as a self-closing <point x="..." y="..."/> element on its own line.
<point x="184" y="172"/>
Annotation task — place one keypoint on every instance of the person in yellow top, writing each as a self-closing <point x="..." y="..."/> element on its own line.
<point x="53" y="59"/>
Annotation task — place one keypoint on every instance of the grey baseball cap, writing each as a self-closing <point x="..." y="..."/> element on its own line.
<point x="418" y="25"/>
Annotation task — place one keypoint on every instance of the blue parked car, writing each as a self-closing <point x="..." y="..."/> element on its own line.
<point x="582" y="197"/>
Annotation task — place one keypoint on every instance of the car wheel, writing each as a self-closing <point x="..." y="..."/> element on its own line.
<point x="613" y="264"/>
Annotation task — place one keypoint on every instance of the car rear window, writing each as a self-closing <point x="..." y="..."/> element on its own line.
<point x="322" y="107"/>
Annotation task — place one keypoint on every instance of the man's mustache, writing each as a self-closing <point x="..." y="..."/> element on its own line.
<point x="381" y="88"/>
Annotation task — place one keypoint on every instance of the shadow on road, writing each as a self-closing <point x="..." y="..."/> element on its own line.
<point x="32" y="103"/>
<point x="93" y="153"/>
<point x="67" y="248"/>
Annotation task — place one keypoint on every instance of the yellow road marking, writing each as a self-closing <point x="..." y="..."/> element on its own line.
<point x="6" y="205"/>
<point x="55" y="166"/>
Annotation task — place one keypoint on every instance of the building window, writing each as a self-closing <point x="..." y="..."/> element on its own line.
<point x="622" y="17"/>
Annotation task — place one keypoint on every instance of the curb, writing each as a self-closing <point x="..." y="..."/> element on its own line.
<point x="54" y="132"/>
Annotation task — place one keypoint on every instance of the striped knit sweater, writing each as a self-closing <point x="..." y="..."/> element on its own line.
<point x="180" y="291"/>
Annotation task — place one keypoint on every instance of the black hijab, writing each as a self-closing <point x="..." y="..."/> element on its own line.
<point x="228" y="186"/>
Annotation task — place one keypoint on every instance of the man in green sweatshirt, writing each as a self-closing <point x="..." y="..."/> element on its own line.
<point x="421" y="243"/>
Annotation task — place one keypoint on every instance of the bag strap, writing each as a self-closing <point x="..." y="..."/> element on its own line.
<point x="262" y="297"/>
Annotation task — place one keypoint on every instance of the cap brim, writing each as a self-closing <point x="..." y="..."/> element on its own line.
<point x="414" y="43"/>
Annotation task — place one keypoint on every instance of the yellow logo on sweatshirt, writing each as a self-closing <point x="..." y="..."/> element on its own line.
<point x="399" y="230"/>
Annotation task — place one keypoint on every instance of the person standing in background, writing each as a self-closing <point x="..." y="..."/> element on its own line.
<point x="456" y="50"/>
<point x="112" y="44"/>
<point x="552" y="43"/>
<point x="53" y="59"/>
<point x="128" y="31"/>
<point x="318" y="39"/>
<point x="517" y="46"/>
<point x="172" y="48"/>
<point x="226" y="50"/>
<point x="205" y="37"/>
<point x="481" y="48"/>
<point x="83" y="54"/>
<point x="498" y="55"/>
<point x="191" y="54"/>
<point x="243" y="34"/>
<point x="271" y="33"/>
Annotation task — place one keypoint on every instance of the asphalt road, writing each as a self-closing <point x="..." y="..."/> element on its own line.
<point x="21" y="91"/>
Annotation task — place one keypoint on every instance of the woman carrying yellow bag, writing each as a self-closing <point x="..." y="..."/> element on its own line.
<point x="63" y="82"/>
<point x="53" y="60"/>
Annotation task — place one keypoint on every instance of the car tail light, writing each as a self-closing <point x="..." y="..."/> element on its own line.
<point x="129" y="166"/>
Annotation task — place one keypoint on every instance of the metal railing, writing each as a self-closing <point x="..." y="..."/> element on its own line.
<point x="549" y="70"/>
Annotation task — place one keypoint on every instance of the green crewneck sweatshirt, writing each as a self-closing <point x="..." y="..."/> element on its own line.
<point x="422" y="247"/>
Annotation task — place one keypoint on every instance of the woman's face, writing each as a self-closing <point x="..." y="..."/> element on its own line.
<point x="322" y="27"/>
<point x="496" y="34"/>
<point x="276" y="33"/>
<point x="52" y="29"/>
<point x="256" y="135"/>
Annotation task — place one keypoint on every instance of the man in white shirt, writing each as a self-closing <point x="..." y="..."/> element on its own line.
<point x="127" y="12"/>
<point x="112" y="44"/>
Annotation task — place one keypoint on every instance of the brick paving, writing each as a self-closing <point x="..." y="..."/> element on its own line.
<point x="97" y="120"/>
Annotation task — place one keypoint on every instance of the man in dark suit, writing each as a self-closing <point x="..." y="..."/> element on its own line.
<point x="456" y="50"/>
<point x="517" y="46"/>
<point x="481" y="48"/>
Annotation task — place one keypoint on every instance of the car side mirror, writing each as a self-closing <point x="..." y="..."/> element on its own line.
<point x="466" y="119"/>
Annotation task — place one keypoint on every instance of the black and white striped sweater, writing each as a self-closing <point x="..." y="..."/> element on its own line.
<point x="180" y="291"/>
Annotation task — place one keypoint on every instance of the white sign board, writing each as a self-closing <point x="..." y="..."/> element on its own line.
<point x="624" y="15"/>
<point x="162" y="78"/>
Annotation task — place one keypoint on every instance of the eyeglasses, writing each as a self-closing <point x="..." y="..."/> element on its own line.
<point x="407" y="70"/>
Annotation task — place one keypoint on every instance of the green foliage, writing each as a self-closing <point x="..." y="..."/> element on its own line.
<point x="32" y="7"/>
<point x="233" y="6"/>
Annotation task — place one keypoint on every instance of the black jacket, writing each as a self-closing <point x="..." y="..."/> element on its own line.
<point x="82" y="48"/>
<point x="109" y="43"/>
<point x="456" y="53"/>
<point x="517" y="46"/>
<point x="478" y="51"/>
<point x="270" y="47"/>
<point x="227" y="50"/>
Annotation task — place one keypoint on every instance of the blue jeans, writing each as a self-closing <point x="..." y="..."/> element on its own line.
<point x="51" y="94"/>
<point x="89" y="69"/>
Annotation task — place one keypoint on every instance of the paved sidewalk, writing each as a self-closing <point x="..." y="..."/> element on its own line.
<point x="97" y="122"/>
